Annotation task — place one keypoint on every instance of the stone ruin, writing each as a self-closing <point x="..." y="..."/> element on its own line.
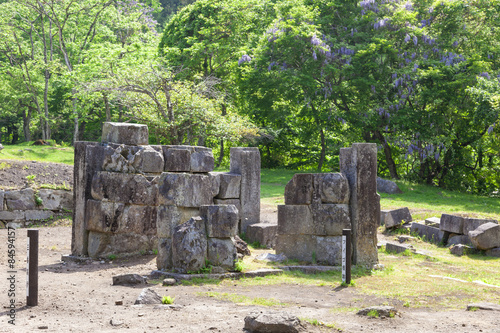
<point x="319" y="206"/>
<point x="131" y="197"/>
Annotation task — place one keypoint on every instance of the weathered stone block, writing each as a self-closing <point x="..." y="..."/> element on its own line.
<point x="185" y="190"/>
<point x="387" y="186"/>
<point x="461" y="249"/>
<point x="164" y="257"/>
<point x="230" y="185"/>
<point x="148" y="160"/>
<point x="333" y="188"/>
<point x="471" y="224"/>
<point x="189" y="245"/>
<point x="215" y="181"/>
<point x="299" y="190"/>
<point x="168" y="217"/>
<point x="433" y="221"/>
<point x="330" y="219"/>
<point x="36" y="215"/>
<point x="427" y="232"/>
<point x="264" y="233"/>
<point x="102" y="245"/>
<point x="2" y="195"/>
<point x="397" y="248"/>
<point x="459" y="239"/>
<point x="119" y="159"/>
<point x="486" y="236"/>
<point x="177" y="158"/>
<point x="395" y="217"/>
<point x="138" y="219"/>
<point x="56" y="199"/>
<point x="222" y="252"/>
<point x="235" y="202"/>
<point x="103" y="216"/>
<point x="329" y="250"/>
<point x="246" y="162"/>
<point x="359" y="164"/>
<point x="297" y="247"/>
<point x="6" y="215"/>
<point x="220" y="221"/>
<point x="272" y="322"/>
<point x="296" y="220"/>
<point x="129" y="134"/>
<point x="20" y="199"/>
<point x="125" y="188"/>
<point x="202" y="160"/>
<point x="451" y="223"/>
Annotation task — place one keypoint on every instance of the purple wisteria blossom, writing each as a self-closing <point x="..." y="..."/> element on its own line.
<point x="244" y="58"/>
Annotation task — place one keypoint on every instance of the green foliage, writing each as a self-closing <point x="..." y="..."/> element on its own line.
<point x="167" y="300"/>
<point x="239" y="266"/>
<point x="373" y="314"/>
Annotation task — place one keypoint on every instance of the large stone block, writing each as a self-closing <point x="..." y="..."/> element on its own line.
<point x="359" y="165"/>
<point x="138" y="219"/>
<point x="129" y="134"/>
<point x="88" y="160"/>
<point x="333" y="188"/>
<point x="189" y="245"/>
<point x="429" y="233"/>
<point x="395" y="217"/>
<point x="246" y="162"/>
<point x="177" y="158"/>
<point x="387" y="186"/>
<point x="222" y="252"/>
<point x="169" y="217"/>
<point x="471" y="224"/>
<point x="148" y="160"/>
<point x="329" y="250"/>
<point x="102" y="245"/>
<point x="433" y="221"/>
<point x="452" y="224"/>
<point x="296" y="220"/>
<point x="458" y="239"/>
<point x="230" y="185"/>
<point x="202" y="160"/>
<point x="486" y="236"/>
<point x="185" y="190"/>
<point x="164" y="257"/>
<point x="6" y="215"/>
<point x="310" y="248"/>
<point x="235" y="202"/>
<point x="221" y="221"/>
<point x="330" y="219"/>
<point x="125" y="188"/>
<point x="37" y="215"/>
<point x="20" y="199"/>
<point x="299" y="190"/>
<point x="103" y="216"/>
<point x="495" y="252"/>
<point x="264" y="233"/>
<point x="56" y="199"/>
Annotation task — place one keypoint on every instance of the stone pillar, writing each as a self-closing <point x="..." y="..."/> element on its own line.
<point x="246" y="162"/>
<point x="359" y="164"/>
<point x="88" y="160"/>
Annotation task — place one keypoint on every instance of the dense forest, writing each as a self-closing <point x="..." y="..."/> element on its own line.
<point x="299" y="79"/>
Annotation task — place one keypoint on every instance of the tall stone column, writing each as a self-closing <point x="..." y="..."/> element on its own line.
<point x="246" y="162"/>
<point x="359" y="164"/>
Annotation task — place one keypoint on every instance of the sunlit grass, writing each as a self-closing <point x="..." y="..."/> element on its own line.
<point x="27" y="152"/>
<point x="242" y="299"/>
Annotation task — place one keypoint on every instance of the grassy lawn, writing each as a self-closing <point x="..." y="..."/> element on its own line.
<point x="26" y="151"/>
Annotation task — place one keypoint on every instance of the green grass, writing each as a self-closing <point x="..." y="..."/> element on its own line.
<point x="25" y="151"/>
<point x="242" y="299"/>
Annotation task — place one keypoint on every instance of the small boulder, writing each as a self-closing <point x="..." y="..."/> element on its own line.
<point x="148" y="296"/>
<point x="128" y="279"/>
<point x="495" y="252"/>
<point x="387" y="186"/>
<point x="461" y="249"/>
<point x="272" y="322"/>
<point x="382" y="311"/>
<point x="241" y="246"/>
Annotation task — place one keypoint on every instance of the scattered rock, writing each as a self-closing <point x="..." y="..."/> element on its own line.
<point x="391" y="247"/>
<point x="495" y="252"/>
<point x="378" y="267"/>
<point x="148" y="296"/>
<point x="387" y="186"/>
<point x="272" y="322"/>
<point x="241" y="246"/>
<point x="433" y="222"/>
<point x="271" y="257"/>
<point x="461" y="249"/>
<point x="405" y="238"/>
<point x="483" y="306"/>
<point x="394" y="218"/>
<point x="43" y="327"/>
<point x="459" y="239"/>
<point x="169" y="282"/>
<point x="120" y="302"/>
<point x="115" y="322"/>
<point x="383" y="311"/>
<point x="486" y="236"/>
<point x="128" y="279"/>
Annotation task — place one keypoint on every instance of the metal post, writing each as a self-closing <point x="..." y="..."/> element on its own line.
<point x="32" y="269"/>
<point x="346" y="256"/>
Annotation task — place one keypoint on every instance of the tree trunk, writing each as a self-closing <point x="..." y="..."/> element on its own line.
<point x="323" y="150"/>
<point x="221" y="149"/>
<point x="106" y="104"/>
<point x="75" y="112"/>
<point x="388" y="155"/>
<point x="26" y="114"/>
<point x="46" y="106"/>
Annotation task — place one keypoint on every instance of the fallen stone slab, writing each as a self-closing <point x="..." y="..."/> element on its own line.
<point x="271" y="257"/>
<point x="156" y="275"/>
<point x="483" y="306"/>
<point x="459" y="239"/>
<point x="433" y="221"/>
<point x="264" y="233"/>
<point x="452" y="224"/>
<point x="486" y="236"/>
<point x="128" y="279"/>
<point x="391" y="247"/>
<point x="461" y="249"/>
<point x="382" y="311"/>
<point x="495" y="252"/>
<point x="427" y="232"/>
<point x="395" y="217"/>
<point x="148" y="296"/>
<point x="471" y="224"/>
<point x="272" y="322"/>
<point x="387" y="186"/>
